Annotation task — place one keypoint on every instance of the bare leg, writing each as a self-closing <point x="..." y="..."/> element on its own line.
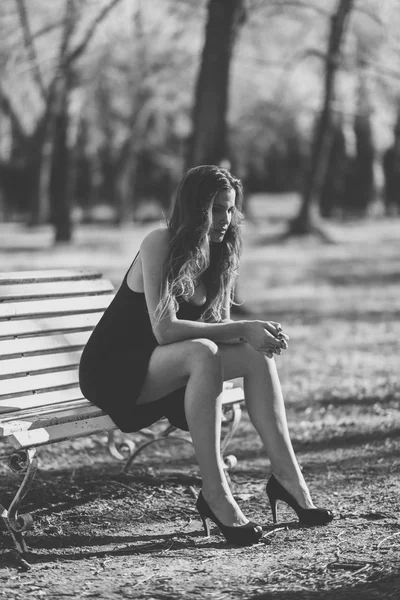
<point x="198" y="364"/>
<point x="266" y="410"/>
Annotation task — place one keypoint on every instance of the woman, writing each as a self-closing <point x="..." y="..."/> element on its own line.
<point x="166" y="343"/>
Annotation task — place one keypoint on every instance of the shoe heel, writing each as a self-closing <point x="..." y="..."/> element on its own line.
<point x="244" y="535"/>
<point x="273" y="500"/>
<point x="273" y="503"/>
<point x="206" y="525"/>
<point x="307" y="516"/>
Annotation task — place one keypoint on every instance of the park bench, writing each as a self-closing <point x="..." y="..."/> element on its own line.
<point x="46" y="318"/>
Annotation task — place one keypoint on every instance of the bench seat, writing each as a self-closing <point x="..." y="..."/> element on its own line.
<point x="38" y="425"/>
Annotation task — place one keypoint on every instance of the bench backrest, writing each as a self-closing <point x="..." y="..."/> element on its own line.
<point x="46" y="318"/>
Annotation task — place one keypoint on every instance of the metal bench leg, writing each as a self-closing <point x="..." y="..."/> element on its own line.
<point x="23" y="461"/>
<point x="234" y="412"/>
<point x="118" y="444"/>
<point x="154" y="438"/>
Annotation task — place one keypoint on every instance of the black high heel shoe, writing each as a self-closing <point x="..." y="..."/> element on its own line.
<point x="307" y="516"/>
<point x="243" y="535"/>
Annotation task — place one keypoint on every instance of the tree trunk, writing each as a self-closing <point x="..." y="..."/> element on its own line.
<point x="126" y="182"/>
<point x="334" y="187"/>
<point x="361" y="187"/>
<point x="60" y="191"/>
<point x="15" y="174"/>
<point x="307" y="219"/>
<point x="208" y="144"/>
<point x="127" y="162"/>
<point x="81" y="167"/>
<point x="26" y="156"/>
<point x="391" y="169"/>
<point x="361" y="181"/>
<point x="40" y="168"/>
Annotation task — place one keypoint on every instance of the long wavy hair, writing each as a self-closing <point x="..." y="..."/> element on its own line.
<point x="191" y="254"/>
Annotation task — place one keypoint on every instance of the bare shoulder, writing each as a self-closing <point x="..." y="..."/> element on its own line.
<point x="156" y="242"/>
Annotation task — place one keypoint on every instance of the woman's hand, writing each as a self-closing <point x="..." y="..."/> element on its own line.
<point x="266" y="337"/>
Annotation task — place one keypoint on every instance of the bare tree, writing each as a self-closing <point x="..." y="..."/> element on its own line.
<point x="307" y="219"/>
<point x="53" y="122"/>
<point x="208" y="142"/>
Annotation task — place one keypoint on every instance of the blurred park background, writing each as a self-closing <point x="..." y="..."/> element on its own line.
<point x="105" y="103"/>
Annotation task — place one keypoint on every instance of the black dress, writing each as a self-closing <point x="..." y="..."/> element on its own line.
<point x="115" y="359"/>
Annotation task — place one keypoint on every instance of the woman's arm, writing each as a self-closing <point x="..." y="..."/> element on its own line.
<point x="226" y="309"/>
<point x="154" y="249"/>
<point x="226" y="318"/>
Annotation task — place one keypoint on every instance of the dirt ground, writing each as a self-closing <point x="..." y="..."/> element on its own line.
<point x="102" y="533"/>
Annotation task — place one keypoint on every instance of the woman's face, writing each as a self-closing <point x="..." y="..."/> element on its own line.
<point x="223" y="207"/>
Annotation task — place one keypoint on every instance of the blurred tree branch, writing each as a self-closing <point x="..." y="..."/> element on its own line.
<point x="46" y="29"/>
<point x="67" y="58"/>
<point x="277" y="5"/>
<point x="7" y="108"/>
<point x="382" y="69"/>
<point x="91" y="30"/>
<point x="30" y="46"/>
<point x="53" y="122"/>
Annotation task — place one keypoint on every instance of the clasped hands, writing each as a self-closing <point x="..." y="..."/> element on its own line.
<point x="266" y="337"/>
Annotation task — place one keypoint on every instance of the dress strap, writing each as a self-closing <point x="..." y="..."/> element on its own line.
<point x="131" y="265"/>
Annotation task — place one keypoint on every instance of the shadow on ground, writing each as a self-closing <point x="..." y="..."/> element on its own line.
<point x="386" y="588"/>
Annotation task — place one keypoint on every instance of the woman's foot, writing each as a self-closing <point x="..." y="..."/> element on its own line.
<point x="225" y="508"/>
<point x="297" y="489"/>
<point x="310" y="515"/>
<point x="239" y="535"/>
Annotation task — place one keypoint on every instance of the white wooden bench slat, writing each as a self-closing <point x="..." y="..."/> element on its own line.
<point x="42" y="344"/>
<point x="57" y="306"/>
<point x="50" y="409"/>
<point x="18" y="327"/>
<point x="232" y="394"/>
<point x="47" y="275"/>
<point x="30" y="401"/>
<point x="37" y="382"/>
<point x="50" y="289"/>
<point x="50" y="418"/>
<point x="59" y="413"/>
<point x="30" y="364"/>
<point x="46" y="429"/>
<point x="59" y="433"/>
<point x="25" y="406"/>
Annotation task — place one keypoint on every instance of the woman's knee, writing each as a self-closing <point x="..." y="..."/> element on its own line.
<point x="252" y="360"/>
<point x="203" y="353"/>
